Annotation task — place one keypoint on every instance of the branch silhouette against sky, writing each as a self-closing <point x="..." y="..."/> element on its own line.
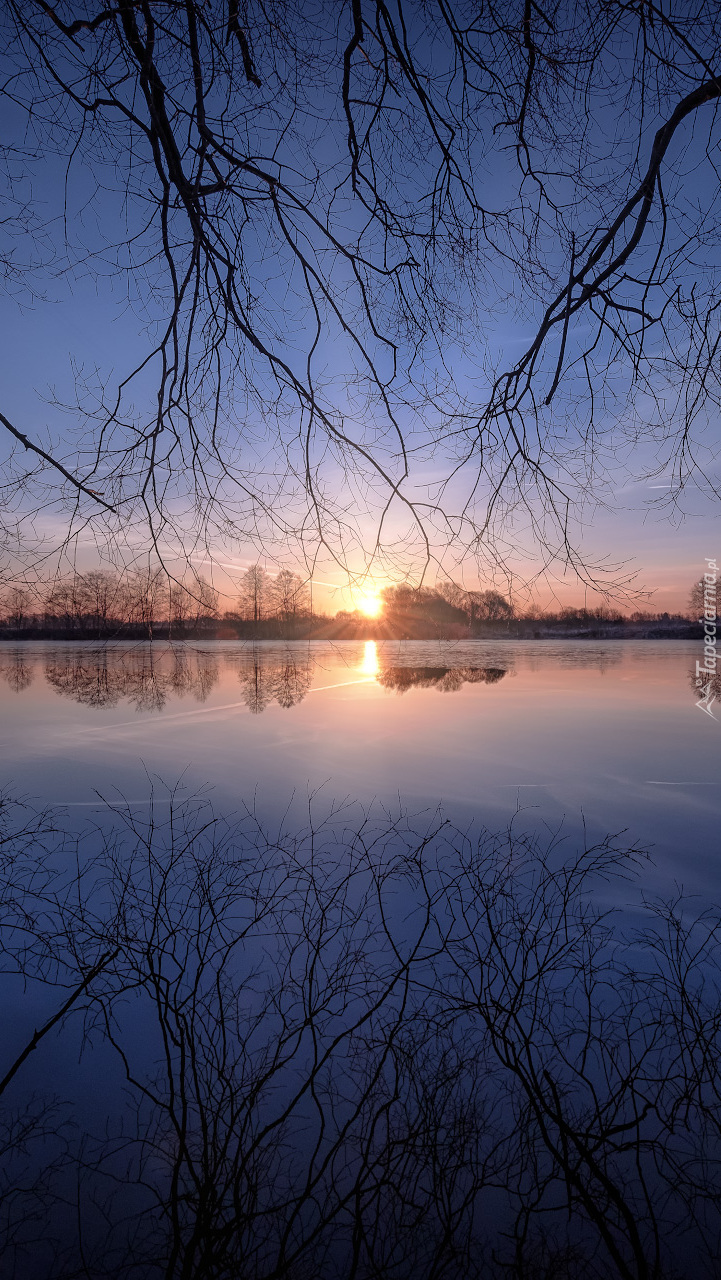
<point x="390" y="282"/>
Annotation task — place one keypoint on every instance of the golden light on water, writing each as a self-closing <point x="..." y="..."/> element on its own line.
<point x="370" y="665"/>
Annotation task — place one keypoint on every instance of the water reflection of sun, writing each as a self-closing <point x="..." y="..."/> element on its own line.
<point x="370" y="665"/>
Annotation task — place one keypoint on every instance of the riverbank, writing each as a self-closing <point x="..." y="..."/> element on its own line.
<point x="366" y="629"/>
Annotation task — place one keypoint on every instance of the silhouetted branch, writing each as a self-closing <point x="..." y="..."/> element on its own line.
<point x="297" y="184"/>
<point x="28" y="444"/>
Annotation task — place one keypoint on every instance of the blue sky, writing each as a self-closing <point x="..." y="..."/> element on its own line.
<point x="84" y="324"/>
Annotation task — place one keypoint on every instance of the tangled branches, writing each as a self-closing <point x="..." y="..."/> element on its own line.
<point x="297" y="181"/>
<point x="370" y="1049"/>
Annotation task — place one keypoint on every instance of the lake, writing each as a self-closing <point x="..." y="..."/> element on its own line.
<point x="602" y="732"/>
<point x="289" y="1047"/>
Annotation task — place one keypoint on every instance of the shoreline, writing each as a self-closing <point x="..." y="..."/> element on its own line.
<point x="162" y="638"/>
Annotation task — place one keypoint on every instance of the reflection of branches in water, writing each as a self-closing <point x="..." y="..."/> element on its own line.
<point x="103" y="677"/>
<point x="291" y="682"/>
<point x="374" y="1050"/>
<point x="89" y="678"/>
<point x="267" y="678"/>
<point x="194" y="672"/>
<point x="445" y="679"/>
<point x="29" y="1187"/>
<point x="16" y="670"/>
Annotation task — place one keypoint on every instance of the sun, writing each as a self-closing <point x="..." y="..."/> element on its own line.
<point x="370" y="606"/>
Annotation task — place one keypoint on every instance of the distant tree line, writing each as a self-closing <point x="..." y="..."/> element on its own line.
<point x="283" y="597"/>
<point x="449" y="611"/>
<point x="101" y="603"/>
<point x="146" y="603"/>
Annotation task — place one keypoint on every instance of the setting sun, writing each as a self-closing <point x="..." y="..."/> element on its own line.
<point x="370" y="606"/>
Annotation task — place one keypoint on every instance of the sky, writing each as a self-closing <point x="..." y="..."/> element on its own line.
<point x="62" y="326"/>
<point x="665" y="550"/>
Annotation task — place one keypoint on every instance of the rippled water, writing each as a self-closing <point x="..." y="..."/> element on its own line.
<point x="606" y="733"/>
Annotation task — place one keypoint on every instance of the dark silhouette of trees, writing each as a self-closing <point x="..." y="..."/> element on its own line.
<point x="487" y="605"/>
<point x="448" y="607"/>
<point x="17" y="607"/>
<point x="284" y="596"/>
<point x="190" y="607"/>
<point x="405" y="608"/>
<point x="290" y="596"/>
<point x="254" y="591"/>
<point x="101" y="599"/>
<point x="64" y="603"/>
<point x="277" y="185"/>
<point x="102" y="604"/>
<point x="490" y="606"/>
<point x="96" y="601"/>
<point x="147" y="596"/>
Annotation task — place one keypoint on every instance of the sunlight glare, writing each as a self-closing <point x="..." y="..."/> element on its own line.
<point x="370" y="665"/>
<point x="370" y="606"/>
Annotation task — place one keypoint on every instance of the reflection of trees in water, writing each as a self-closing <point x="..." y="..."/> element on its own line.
<point x="291" y="682"/>
<point x="256" y="691"/>
<point x="266" y="678"/>
<point x="193" y="672"/>
<point x="89" y="678"/>
<point x="16" y="670"/>
<point x="146" y="683"/>
<point x="357" y="1049"/>
<point x="142" y="676"/>
<point x="445" y="679"/>
<point x="146" y="676"/>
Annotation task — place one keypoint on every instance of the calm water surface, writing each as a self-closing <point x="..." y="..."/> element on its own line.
<point x="603" y="732"/>
<point x="606" y="733"/>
